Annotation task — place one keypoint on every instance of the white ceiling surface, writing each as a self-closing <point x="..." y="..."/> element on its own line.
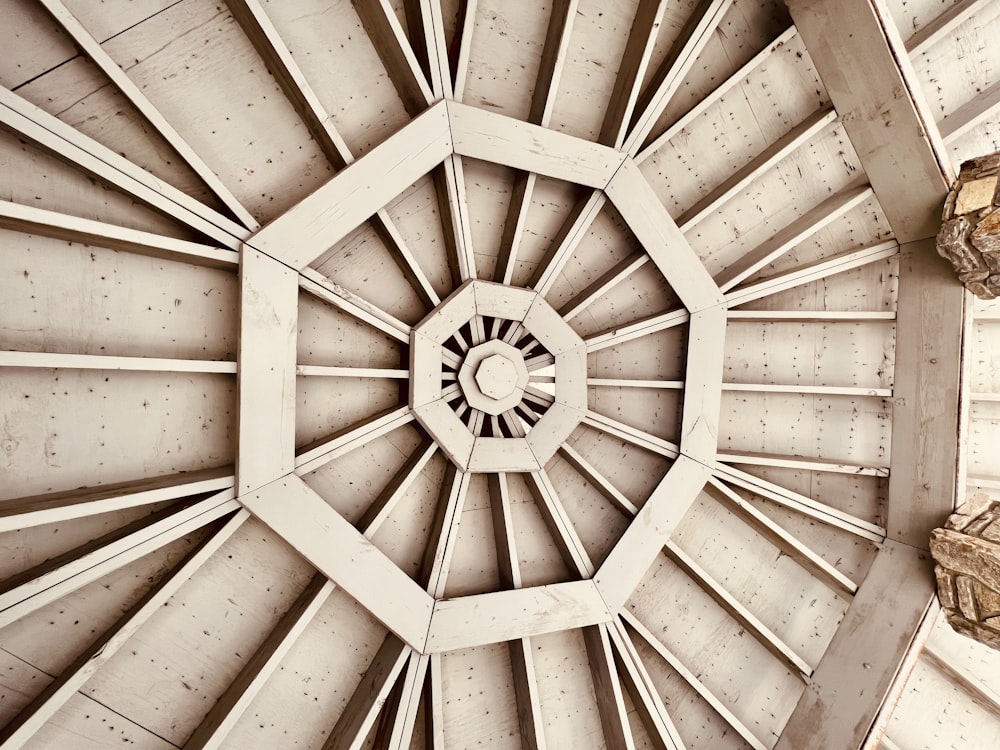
<point x="118" y="353"/>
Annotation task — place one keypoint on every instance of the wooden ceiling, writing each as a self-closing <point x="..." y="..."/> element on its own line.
<point x="225" y="223"/>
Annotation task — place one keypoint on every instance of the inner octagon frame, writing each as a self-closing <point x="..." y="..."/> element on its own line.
<point x="272" y="264"/>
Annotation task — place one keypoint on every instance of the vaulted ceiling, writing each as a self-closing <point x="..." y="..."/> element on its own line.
<point x="477" y="373"/>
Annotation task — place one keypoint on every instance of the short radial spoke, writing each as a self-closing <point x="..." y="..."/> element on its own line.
<point x="45" y="705"/>
<point x="598" y="480"/>
<point x="569" y="236"/>
<point x="645" y="327"/>
<point x="444" y="535"/>
<point x="560" y="527"/>
<point x="632" y="435"/>
<point x="324" y="371"/>
<point x="602" y="285"/>
<point x="105" y="362"/>
<point x="318" y="285"/>
<point x="393" y="492"/>
<point x="607" y="689"/>
<point x="351" y="438"/>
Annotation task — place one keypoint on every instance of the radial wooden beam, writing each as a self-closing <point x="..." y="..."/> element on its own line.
<point x="608" y="689"/>
<point x="601" y="483"/>
<point x="32" y="220"/>
<point x="697" y="32"/>
<point x="802" y="463"/>
<point x="211" y="733"/>
<point x="971" y="114"/>
<point x="716" y="94"/>
<point x="92" y="48"/>
<point x="859" y="56"/>
<point x="444" y="532"/>
<point x="560" y="526"/>
<point x="269" y="302"/>
<point x="54" y="507"/>
<point x="943" y="26"/>
<point x="351" y="438"/>
<point x="387" y="35"/>
<point x="929" y="350"/>
<point x="644" y="327"/>
<point x="692" y="679"/>
<point x="361" y="711"/>
<point x="550" y="68"/>
<point x="46" y="704"/>
<point x="392" y="493"/>
<point x="574" y="228"/>
<point x="84" y="153"/>
<point x="54" y="578"/>
<point x="399" y="726"/>
<point x="855" y="674"/>
<point x="49" y="360"/>
<point x="337" y="549"/>
<point x="632" y="435"/>
<point x="801" y="503"/>
<point x="353" y="195"/>
<point x="652" y="712"/>
<point x="319" y="286"/>
<point x="603" y="284"/>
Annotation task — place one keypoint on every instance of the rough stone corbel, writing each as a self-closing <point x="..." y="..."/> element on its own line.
<point x="970" y="234"/>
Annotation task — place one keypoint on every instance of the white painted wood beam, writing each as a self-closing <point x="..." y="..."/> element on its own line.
<point x="716" y="94"/>
<point x="46" y="704"/>
<point x="859" y="56"/>
<point x="325" y="371"/>
<point x="49" y="360"/>
<point x="435" y="705"/>
<point x="653" y="713"/>
<point x="631" y="435"/>
<point x="361" y="711"/>
<point x="444" y="531"/>
<point x="631" y="71"/>
<point x="560" y="526"/>
<point x="801" y="503"/>
<point x="82" y="152"/>
<point x="574" y="228"/>
<point x="211" y="733"/>
<point x="311" y="457"/>
<point x="54" y="507"/>
<point x="960" y="676"/>
<point x="738" y="611"/>
<point x="466" y="24"/>
<point x="92" y="48"/>
<point x="550" y="68"/>
<point x="703" y="384"/>
<point x="803" y="389"/>
<point x="697" y="32"/>
<point x="656" y="231"/>
<point x="323" y="218"/>
<point x="337" y="549"/>
<point x="529" y="705"/>
<point x="319" y="286"/>
<point x="390" y="496"/>
<point x="942" y="26"/>
<point x="812" y="316"/>
<point x="386" y="34"/>
<point x="32" y="220"/>
<point x="607" y="689"/>
<point x="787" y="238"/>
<point x="672" y="385"/>
<point x="266" y="352"/>
<point x="802" y="463"/>
<point x="692" y="679"/>
<point x="645" y="327"/>
<point x="638" y="547"/>
<point x="482" y="619"/>
<point x="970" y="115"/>
<point x="784" y="540"/>
<point x="811" y="272"/>
<point x="503" y="531"/>
<point x="58" y="576"/>
<point x="601" y="483"/>
<point x="928" y="371"/>
<point x="410" y="693"/>
<point x="766" y="160"/>
<point x="857" y="669"/>
<point x="603" y="284"/>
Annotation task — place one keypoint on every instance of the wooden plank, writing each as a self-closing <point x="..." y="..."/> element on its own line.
<point x="801" y="503"/>
<point x="358" y="191"/>
<point x="503" y="531"/>
<point x="232" y="704"/>
<point x="444" y="531"/>
<point x="317" y="284"/>
<point x="84" y="153"/>
<point x="631" y="71"/>
<point x="481" y="134"/>
<point x="924" y="452"/>
<point x="649" y="221"/>
<point x="92" y="48"/>
<point x="689" y="677"/>
<point x="716" y="94"/>
<point x="645" y="697"/>
<point x="54" y="507"/>
<point x="560" y="526"/>
<point x="105" y="362"/>
<point x="631" y="435"/>
<point x="466" y="23"/>
<point x="812" y="316"/>
<point x="269" y="301"/>
<point x="529" y="708"/>
<point x="411" y="692"/>
<point x="971" y="114"/>
<point x="340" y="551"/>
<point x="601" y="483"/>
<point x="859" y="57"/>
<point x="959" y="675"/>
<point x="703" y="384"/>
<point x="763" y="162"/>
<point x="602" y="285"/>
<point x="608" y="689"/>
<point x="782" y="539"/>
<point x="574" y="228"/>
<point x="697" y="32"/>
<point x="802" y="463"/>
<point x="788" y="237"/>
<point x="672" y="385"/>
<point x="351" y="438"/>
<point x="811" y="272"/>
<point x="620" y="335"/>
<point x="482" y="619"/>
<point x="40" y="221"/>
<point x="642" y="541"/>
<point x="942" y="26"/>
<point x="393" y="493"/>
<point x="325" y="371"/>
<point x="58" y="576"/>
<point x="358" y="718"/>
<point x="735" y="609"/>
<point x="854" y="675"/>
<point x="819" y="390"/>
<point x="72" y="679"/>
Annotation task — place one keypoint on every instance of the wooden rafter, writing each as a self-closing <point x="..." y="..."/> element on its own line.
<point x="946" y="23"/>
<point x="567" y="541"/>
<point x="608" y="689"/>
<point x="45" y="705"/>
<point x="971" y="114"/>
<point x="444" y="533"/>
<point x="644" y="327"/>
<point x="392" y="493"/>
<point x="632" y="435"/>
<point x="318" y="285"/>
<point x="351" y="438"/>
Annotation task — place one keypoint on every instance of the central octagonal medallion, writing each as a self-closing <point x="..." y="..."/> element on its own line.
<point x="489" y="337"/>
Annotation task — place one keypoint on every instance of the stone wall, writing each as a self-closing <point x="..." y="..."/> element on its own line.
<point x="970" y="235"/>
